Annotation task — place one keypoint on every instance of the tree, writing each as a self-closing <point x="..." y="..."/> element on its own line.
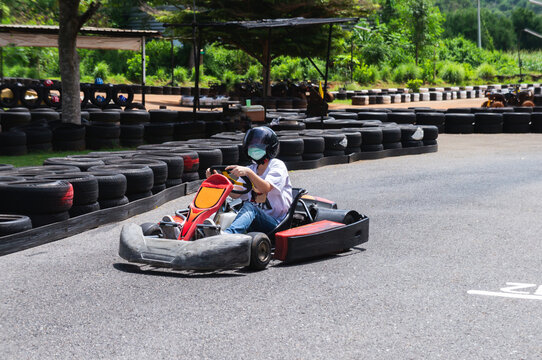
<point x="423" y="21"/>
<point x="70" y="22"/>
<point x="282" y="41"/>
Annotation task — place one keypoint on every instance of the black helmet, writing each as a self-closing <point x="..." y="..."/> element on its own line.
<point x="263" y="137"/>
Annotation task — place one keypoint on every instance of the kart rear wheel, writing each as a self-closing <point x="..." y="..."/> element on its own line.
<point x="151" y="229"/>
<point x="260" y="253"/>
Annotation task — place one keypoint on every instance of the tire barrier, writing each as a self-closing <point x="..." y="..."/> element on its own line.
<point x="38" y="93"/>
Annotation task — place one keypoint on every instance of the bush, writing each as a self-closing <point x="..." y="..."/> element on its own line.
<point x="452" y="73"/>
<point x="180" y="74"/>
<point x="229" y="79"/>
<point x="101" y="70"/>
<point x="414" y="85"/>
<point x="405" y="72"/>
<point x="134" y="68"/>
<point x="486" y="71"/>
<point x="385" y="73"/>
<point x="254" y="72"/>
<point x="366" y="74"/>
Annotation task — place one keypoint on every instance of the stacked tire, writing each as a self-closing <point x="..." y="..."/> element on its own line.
<point x="85" y="191"/>
<point x="459" y="123"/>
<point x="139" y="178"/>
<point x="104" y="130"/>
<point x="291" y="149"/>
<point x="132" y="130"/>
<point x="13" y="143"/>
<point x="43" y="201"/>
<point x="69" y="137"/>
<point x="488" y="123"/>
<point x="158" y="167"/>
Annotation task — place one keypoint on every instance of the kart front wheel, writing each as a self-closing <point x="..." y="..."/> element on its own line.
<point x="260" y="253"/>
<point x="151" y="229"/>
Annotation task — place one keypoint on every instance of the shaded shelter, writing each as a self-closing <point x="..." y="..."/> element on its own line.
<point x="88" y="38"/>
<point x="264" y="28"/>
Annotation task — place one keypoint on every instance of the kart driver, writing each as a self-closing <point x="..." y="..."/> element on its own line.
<point x="270" y="199"/>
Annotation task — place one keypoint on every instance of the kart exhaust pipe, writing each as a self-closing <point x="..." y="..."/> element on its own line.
<point x="346" y="217"/>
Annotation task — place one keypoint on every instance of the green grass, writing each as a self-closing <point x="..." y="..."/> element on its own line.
<point x="35" y="159"/>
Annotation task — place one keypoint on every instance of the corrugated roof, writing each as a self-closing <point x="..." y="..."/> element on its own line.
<point x="271" y="23"/>
<point x="53" y="29"/>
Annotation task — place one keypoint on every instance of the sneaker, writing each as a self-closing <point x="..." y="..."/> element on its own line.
<point x="169" y="227"/>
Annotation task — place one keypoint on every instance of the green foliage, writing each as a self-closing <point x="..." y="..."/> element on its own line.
<point x="405" y="72"/>
<point x="414" y="85"/>
<point x="459" y="49"/>
<point x="452" y="73"/>
<point x="365" y="74"/>
<point x="101" y="70"/>
<point x="180" y="74"/>
<point x="133" y="73"/>
<point x="486" y="72"/>
<point x="254" y="72"/>
<point x="385" y="73"/>
<point x="229" y="78"/>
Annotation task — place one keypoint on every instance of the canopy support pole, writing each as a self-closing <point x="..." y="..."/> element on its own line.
<point x="143" y="72"/>
<point x="172" y="65"/>
<point x="196" y="49"/>
<point x="327" y="69"/>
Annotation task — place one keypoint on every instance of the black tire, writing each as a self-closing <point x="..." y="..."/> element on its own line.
<point x="207" y="158"/>
<point x="175" y="164"/>
<point x="333" y="152"/>
<point x="132" y="132"/>
<point x="536" y="122"/>
<point x="312" y="156"/>
<point x="46" y="219"/>
<point x="78" y="210"/>
<point x="190" y="176"/>
<point x="290" y="158"/>
<point x="429" y="142"/>
<point x="131" y="143"/>
<point x="6" y="102"/>
<point x="85" y="186"/>
<point x="12" y="224"/>
<point x="382" y="116"/>
<point x="139" y="196"/>
<point x="82" y="163"/>
<point x="394" y="145"/>
<point x="190" y="158"/>
<point x="430" y="132"/>
<point x="6" y="167"/>
<point x="459" y="123"/>
<point x="313" y="144"/>
<point x="13" y="150"/>
<point x="402" y="117"/>
<point x="69" y="132"/>
<point x="10" y="177"/>
<point x="36" y="197"/>
<point x="103" y="131"/>
<point x="334" y="141"/>
<point x="163" y="116"/>
<point x="151" y="229"/>
<point x="174" y="182"/>
<point x="371" y="136"/>
<point x="290" y="146"/>
<point x="107" y="116"/>
<point x="139" y="178"/>
<point x="58" y="169"/>
<point x="38" y="89"/>
<point x="158" y="188"/>
<point x="48" y="116"/>
<point x="12" y="138"/>
<point x="158" y="167"/>
<point x="260" y="251"/>
<point x="122" y="89"/>
<point x="11" y="119"/>
<point x="100" y="88"/>
<point x="35" y="148"/>
<point x="109" y="203"/>
<point x="412" y="143"/>
<point x="129" y="117"/>
<point x="488" y="123"/>
<point x="155" y="132"/>
<point x="516" y="122"/>
<point x="376" y="147"/>
<point x="390" y="134"/>
<point x="353" y="139"/>
<point x="38" y="135"/>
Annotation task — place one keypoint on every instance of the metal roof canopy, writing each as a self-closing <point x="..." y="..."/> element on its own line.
<point x="90" y="38"/>
<point x="267" y="24"/>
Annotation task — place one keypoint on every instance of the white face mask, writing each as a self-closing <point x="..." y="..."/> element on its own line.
<point x="256" y="153"/>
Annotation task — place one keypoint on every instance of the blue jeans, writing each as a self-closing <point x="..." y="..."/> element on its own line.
<point x="251" y="218"/>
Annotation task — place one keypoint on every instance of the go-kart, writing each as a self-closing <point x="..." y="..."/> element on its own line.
<point x="193" y="239"/>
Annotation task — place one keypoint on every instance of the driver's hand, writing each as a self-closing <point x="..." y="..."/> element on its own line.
<point x="208" y="172"/>
<point x="238" y="171"/>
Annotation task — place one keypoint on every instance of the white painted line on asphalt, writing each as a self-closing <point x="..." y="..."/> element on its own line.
<point x="512" y="290"/>
<point x="506" y="295"/>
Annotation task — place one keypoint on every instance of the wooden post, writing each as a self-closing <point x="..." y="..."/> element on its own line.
<point x="172" y="65"/>
<point x="143" y="71"/>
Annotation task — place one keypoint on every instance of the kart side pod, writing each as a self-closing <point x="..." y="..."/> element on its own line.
<point x="322" y="237"/>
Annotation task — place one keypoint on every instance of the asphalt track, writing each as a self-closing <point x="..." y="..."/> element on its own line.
<point x="465" y="218"/>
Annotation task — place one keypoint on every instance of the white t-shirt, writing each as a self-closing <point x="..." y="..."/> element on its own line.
<point x="280" y="196"/>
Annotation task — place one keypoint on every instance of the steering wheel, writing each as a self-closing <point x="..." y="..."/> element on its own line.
<point x="246" y="186"/>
